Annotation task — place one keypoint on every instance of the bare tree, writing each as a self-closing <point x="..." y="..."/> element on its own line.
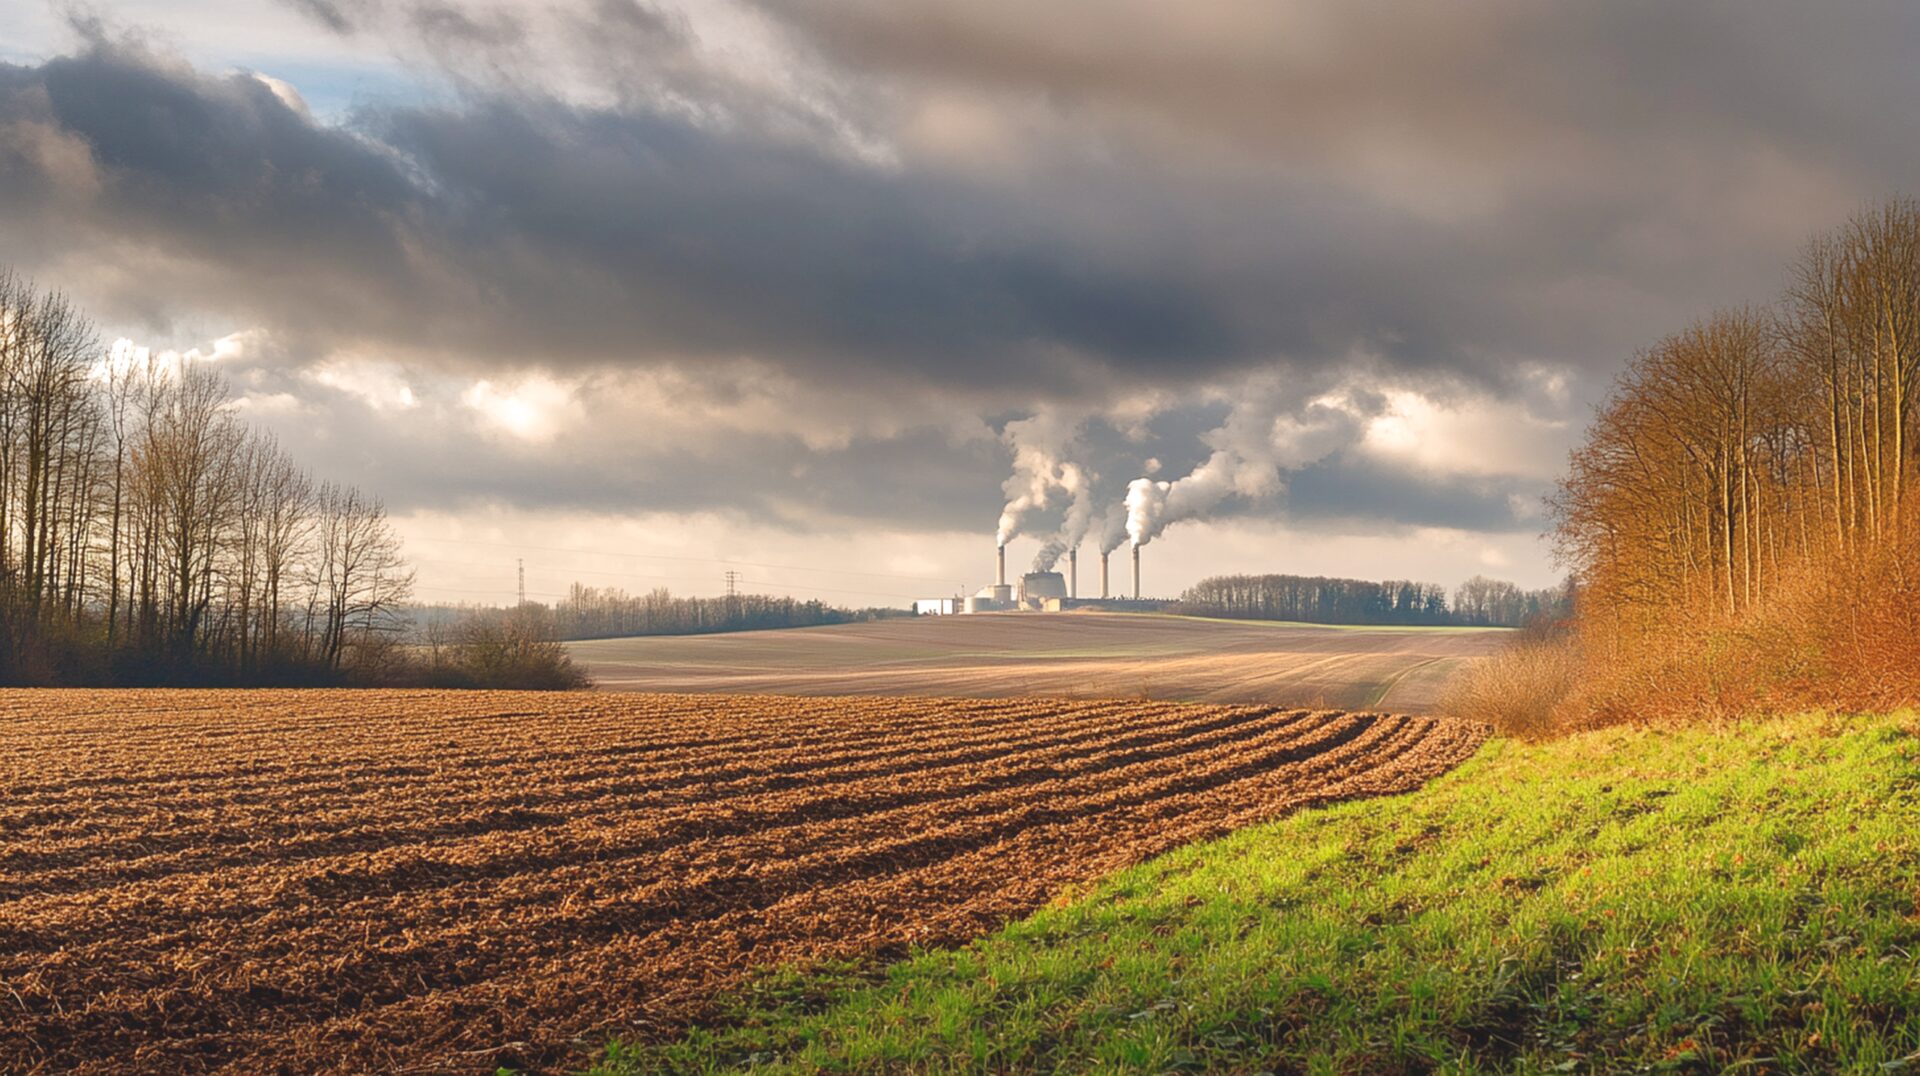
<point x="359" y="575"/>
<point x="142" y="523"/>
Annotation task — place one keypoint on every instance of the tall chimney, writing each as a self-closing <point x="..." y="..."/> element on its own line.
<point x="1103" y="573"/>
<point x="1136" y="573"/>
<point x="1073" y="572"/>
<point x="1000" y="573"/>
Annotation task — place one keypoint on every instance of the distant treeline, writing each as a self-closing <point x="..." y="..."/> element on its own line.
<point x="1320" y="600"/>
<point x="610" y="612"/>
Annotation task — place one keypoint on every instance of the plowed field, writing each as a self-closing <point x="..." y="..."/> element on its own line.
<point x="1075" y="655"/>
<point x="301" y="880"/>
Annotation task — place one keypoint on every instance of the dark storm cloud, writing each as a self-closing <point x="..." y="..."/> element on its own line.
<point x="1346" y="488"/>
<point x="516" y="228"/>
<point x="1579" y="178"/>
<point x="509" y="222"/>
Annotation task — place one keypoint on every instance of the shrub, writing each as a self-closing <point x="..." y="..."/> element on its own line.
<point x="1523" y="690"/>
<point x="514" y="648"/>
<point x="1838" y="632"/>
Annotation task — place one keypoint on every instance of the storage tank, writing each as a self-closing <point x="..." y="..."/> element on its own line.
<point x="990" y="599"/>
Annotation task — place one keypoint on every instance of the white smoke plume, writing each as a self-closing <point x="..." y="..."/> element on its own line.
<point x="1113" y="528"/>
<point x="1265" y="435"/>
<point x="1077" y="483"/>
<point x="1050" y="553"/>
<point x="1039" y="445"/>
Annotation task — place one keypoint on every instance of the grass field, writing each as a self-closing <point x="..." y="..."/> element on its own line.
<point x="1081" y="655"/>
<point x="446" y="881"/>
<point x="1741" y="899"/>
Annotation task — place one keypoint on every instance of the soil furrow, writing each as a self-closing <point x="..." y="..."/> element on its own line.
<point x="354" y="881"/>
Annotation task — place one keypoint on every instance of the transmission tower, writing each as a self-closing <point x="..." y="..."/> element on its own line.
<point x="521" y="563"/>
<point x="733" y="583"/>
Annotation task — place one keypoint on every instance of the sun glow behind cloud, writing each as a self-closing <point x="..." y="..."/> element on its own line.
<point x="536" y="408"/>
<point x="1475" y="435"/>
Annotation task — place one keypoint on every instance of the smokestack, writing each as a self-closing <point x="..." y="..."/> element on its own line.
<point x="1073" y="572"/>
<point x="1136" y="573"/>
<point x="1000" y="573"/>
<point x="1103" y="574"/>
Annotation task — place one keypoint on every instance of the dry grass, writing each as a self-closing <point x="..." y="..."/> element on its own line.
<point x="1524" y="690"/>
<point x="1841" y="636"/>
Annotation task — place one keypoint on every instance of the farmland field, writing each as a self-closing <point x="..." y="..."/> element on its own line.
<point x="377" y="880"/>
<point x="1077" y="655"/>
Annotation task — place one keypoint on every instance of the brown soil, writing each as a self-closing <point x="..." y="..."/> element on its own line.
<point x="302" y="880"/>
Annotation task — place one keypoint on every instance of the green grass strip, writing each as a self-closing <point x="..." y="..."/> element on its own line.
<point x="1712" y="899"/>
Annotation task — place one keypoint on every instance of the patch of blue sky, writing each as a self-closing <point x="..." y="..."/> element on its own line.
<point x="333" y="89"/>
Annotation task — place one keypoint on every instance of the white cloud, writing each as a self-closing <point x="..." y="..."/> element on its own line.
<point x="285" y="91"/>
<point x="1473" y="435"/>
<point x="270" y="403"/>
<point x="233" y="349"/>
<point x="536" y="408"/>
<point x="383" y="386"/>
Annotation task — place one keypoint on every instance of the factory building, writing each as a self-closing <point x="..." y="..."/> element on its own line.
<point x="1037" y="592"/>
<point x="1037" y="587"/>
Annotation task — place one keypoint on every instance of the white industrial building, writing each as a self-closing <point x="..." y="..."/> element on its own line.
<point x="1037" y="592"/>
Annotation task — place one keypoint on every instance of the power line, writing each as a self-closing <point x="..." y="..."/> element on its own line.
<point x="831" y="590"/>
<point x="484" y="590"/>
<point x="568" y="571"/>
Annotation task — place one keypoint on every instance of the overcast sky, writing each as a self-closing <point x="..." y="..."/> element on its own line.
<point x="629" y="289"/>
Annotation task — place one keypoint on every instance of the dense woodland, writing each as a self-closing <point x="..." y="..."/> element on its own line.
<point x="1742" y="518"/>
<point x="147" y="535"/>
<point x="1320" y="600"/>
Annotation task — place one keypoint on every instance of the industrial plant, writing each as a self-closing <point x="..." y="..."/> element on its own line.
<point x="1036" y="592"/>
<point x="1042" y="478"/>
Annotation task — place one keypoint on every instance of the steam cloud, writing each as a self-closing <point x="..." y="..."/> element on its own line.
<point x="1038" y="445"/>
<point x="1270" y="431"/>
<point x="1050" y="553"/>
<point x="1113" y="528"/>
<point x="1077" y="483"/>
<point x="1264" y="436"/>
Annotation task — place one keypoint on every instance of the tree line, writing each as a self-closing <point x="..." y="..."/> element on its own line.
<point x="1741" y="518"/>
<point x="1759" y="439"/>
<point x="147" y="535"/>
<point x="605" y="612"/>
<point x="1322" y="600"/>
